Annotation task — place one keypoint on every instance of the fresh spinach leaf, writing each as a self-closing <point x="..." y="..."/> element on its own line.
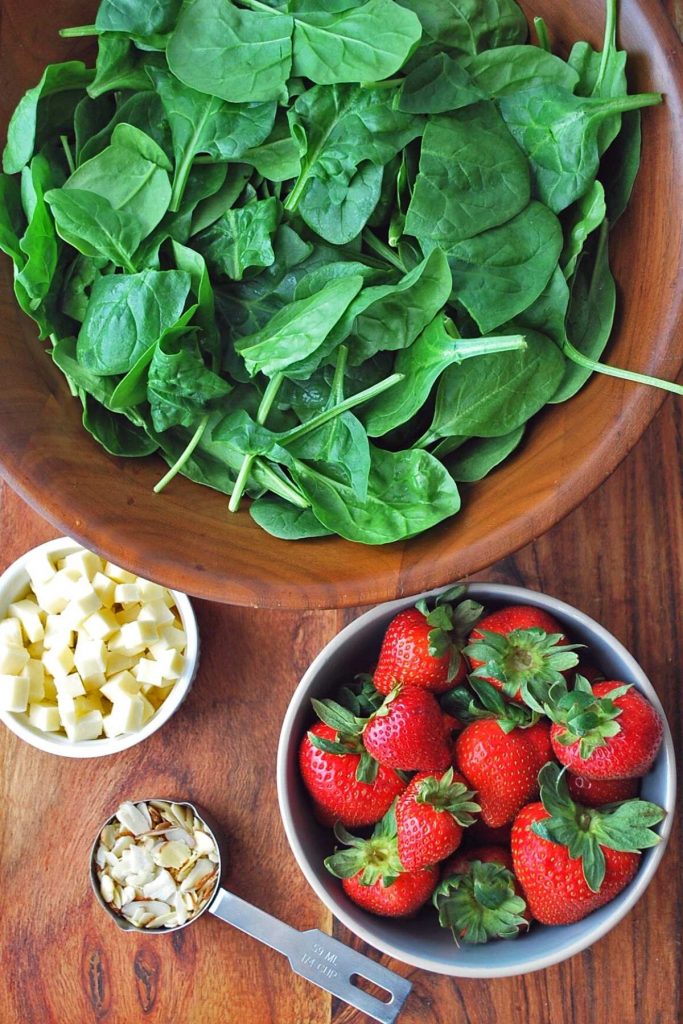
<point x="155" y="17"/>
<point x="114" y="432"/>
<point x="469" y="26"/>
<point x="126" y="314"/>
<point x="585" y="216"/>
<point x="477" y="457"/>
<point x="439" y="85"/>
<point x="90" y="223"/>
<point x="240" y="239"/>
<point x="472" y="176"/>
<point x="28" y="125"/>
<point x="510" y="68"/>
<point x="285" y="521"/>
<point x="120" y="65"/>
<point x="180" y="387"/>
<point x="340" y="214"/>
<point x="502" y="271"/>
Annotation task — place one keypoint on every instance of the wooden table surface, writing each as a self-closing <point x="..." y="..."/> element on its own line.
<point x="619" y="557"/>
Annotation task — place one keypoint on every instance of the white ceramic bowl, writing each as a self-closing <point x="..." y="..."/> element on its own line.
<point x="13" y="584"/>
<point x="421" y="941"/>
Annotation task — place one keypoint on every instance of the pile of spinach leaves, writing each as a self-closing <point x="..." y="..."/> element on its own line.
<point x="330" y="255"/>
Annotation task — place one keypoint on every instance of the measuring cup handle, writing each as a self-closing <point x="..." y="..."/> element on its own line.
<point x="320" y="958"/>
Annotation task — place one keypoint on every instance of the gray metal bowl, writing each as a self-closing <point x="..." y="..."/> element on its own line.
<point x="421" y="942"/>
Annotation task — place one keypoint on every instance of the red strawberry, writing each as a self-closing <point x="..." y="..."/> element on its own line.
<point x="502" y="767"/>
<point x="520" y="650"/>
<point x="605" y="731"/>
<point x="563" y="887"/>
<point x="372" y="874"/>
<point x="597" y="792"/>
<point x="430" y="818"/>
<point x="408" y="732"/>
<point x="479" y="898"/>
<point x="332" y="780"/>
<point x="422" y="647"/>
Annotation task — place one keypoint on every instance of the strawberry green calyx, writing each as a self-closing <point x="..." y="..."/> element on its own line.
<point x="585" y="718"/>
<point x="524" y="660"/>
<point x="584" y="830"/>
<point x="445" y="795"/>
<point x="348" y="728"/>
<point x="481" y="904"/>
<point x="464" y="705"/>
<point x="377" y="857"/>
<point x="451" y="623"/>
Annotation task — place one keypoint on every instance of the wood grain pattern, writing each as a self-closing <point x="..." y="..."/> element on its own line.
<point x="620" y="557"/>
<point x="185" y="537"/>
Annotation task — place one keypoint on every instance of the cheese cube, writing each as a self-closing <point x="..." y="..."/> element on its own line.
<point x="172" y="664"/>
<point x="82" y="604"/>
<point x="135" y="636"/>
<point x="156" y="611"/>
<point x="36" y="650"/>
<point x="115" y="572"/>
<point x="11" y="632"/>
<point x="153" y="591"/>
<point x="90" y="702"/>
<point x="67" y="708"/>
<point x="35" y="673"/>
<point x="128" y="614"/>
<point x="149" y="672"/>
<point x="101" y="624"/>
<point x="49" y="688"/>
<point x="148" y="709"/>
<point x="174" y="637"/>
<point x="84" y="563"/>
<point x="127" y="714"/>
<point x="156" y="695"/>
<point x="89" y="657"/>
<point x="94" y="683"/>
<point x="121" y="686"/>
<point x="28" y="613"/>
<point x="13" y="692"/>
<point x="13" y="657"/>
<point x="104" y="588"/>
<point x="59" y="661"/>
<point x="54" y="595"/>
<point x="70" y="686"/>
<point x="44" y="717"/>
<point x="39" y="567"/>
<point x="118" y="661"/>
<point x="89" y="727"/>
<point x="127" y="593"/>
<point x="57" y="632"/>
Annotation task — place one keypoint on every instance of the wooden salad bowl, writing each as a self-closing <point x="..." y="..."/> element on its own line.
<point x="185" y="537"/>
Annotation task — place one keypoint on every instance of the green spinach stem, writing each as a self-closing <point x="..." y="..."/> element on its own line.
<point x="613" y="371"/>
<point x="269" y="396"/>
<point x="542" y="33"/>
<point x="337" y="389"/>
<point x="279" y="484"/>
<point x="67" y="153"/>
<point x="609" y="44"/>
<point x="180" y="462"/>
<point x="383" y="250"/>
<point x="336" y="410"/>
<point x="79" y="30"/>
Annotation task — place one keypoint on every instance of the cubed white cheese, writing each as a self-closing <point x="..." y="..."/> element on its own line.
<point x="115" y="572"/>
<point x="39" y="567"/>
<point x="45" y="717"/>
<point x="148" y="709"/>
<point x="127" y="593"/>
<point x="84" y="563"/>
<point x="135" y="636"/>
<point x="94" y="683"/>
<point x="81" y="605"/>
<point x="89" y="727"/>
<point x="152" y="591"/>
<point x="34" y="671"/>
<point x="127" y="714"/>
<point x="120" y="686"/>
<point x="157" y="612"/>
<point x="90" y="702"/>
<point x="70" y="686"/>
<point x="59" y="661"/>
<point x="129" y="613"/>
<point x="104" y="587"/>
<point x="13" y="657"/>
<point x="118" y="661"/>
<point x="149" y="672"/>
<point x="172" y="665"/>
<point x="173" y="637"/>
<point x="28" y="613"/>
<point x="101" y="625"/>
<point x="57" y="632"/>
<point x="89" y="657"/>
<point x="13" y="692"/>
<point x="11" y="632"/>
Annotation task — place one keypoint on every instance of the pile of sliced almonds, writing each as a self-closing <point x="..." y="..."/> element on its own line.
<point x="157" y="864"/>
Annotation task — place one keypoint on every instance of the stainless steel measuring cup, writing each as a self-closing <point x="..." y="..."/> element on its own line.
<point x="312" y="954"/>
